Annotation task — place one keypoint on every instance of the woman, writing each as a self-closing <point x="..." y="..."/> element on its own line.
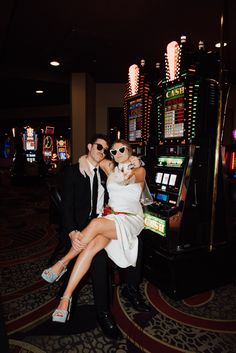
<point x="116" y="230"/>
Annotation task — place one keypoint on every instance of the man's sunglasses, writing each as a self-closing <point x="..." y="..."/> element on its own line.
<point x="121" y="150"/>
<point x="101" y="148"/>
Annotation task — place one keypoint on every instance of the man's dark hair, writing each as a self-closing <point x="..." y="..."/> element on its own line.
<point x="100" y="136"/>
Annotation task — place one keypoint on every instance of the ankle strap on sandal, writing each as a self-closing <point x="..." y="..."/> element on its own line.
<point x="62" y="263"/>
<point x="66" y="297"/>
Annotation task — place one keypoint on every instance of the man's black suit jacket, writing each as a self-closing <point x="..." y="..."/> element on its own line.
<point x="76" y="199"/>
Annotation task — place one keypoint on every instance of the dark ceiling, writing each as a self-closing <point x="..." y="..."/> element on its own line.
<point x="101" y="37"/>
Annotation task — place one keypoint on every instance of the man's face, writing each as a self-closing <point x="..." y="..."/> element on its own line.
<point x="97" y="151"/>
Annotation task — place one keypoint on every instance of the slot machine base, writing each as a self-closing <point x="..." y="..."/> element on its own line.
<point x="191" y="272"/>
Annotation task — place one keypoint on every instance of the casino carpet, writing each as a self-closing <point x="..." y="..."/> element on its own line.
<point x="205" y="323"/>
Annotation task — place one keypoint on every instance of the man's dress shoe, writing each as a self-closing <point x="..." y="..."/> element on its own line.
<point x="135" y="299"/>
<point x="108" y="325"/>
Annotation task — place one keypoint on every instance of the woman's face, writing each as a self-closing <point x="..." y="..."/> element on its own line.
<point x="120" y="153"/>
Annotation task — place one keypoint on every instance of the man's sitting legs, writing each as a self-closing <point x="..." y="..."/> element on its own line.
<point x="102" y="295"/>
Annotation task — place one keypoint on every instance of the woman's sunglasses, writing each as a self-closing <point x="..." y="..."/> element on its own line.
<point x="121" y="150"/>
<point x="101" y="148"/>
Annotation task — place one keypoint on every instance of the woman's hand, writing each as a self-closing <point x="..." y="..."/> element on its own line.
<point x="84" y="166"/>
<point x="135" y="162"/>
<point x="76" y="242"/>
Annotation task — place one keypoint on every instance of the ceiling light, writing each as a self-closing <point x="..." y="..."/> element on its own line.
<point x="218" y="45"/>
<point x="54" y="63"/>
<point x="39" y="91"/>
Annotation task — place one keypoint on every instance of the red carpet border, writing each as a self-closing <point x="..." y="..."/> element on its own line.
<point x="166" y="309"/>
<point x="169" y="330"/>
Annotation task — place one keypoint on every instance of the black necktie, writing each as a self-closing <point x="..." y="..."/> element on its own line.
<point x="94" y="194"/>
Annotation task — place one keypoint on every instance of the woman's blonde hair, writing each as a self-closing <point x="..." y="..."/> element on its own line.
<point x="125" y="143"/>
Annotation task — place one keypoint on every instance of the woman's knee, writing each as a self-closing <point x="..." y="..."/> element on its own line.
<point x="95" y="224"/>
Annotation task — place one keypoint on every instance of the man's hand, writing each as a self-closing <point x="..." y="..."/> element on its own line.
<point x="77" y="244"/>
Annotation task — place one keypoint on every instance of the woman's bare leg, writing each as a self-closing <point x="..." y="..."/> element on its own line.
<point x="97" y="226"/>
<point x="82" y="265"/>
<point x="58" y="267"/>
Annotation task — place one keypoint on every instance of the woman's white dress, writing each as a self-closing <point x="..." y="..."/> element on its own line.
<point x="124" y="198"/>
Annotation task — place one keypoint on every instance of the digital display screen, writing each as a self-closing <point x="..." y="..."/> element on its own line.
<point x="174" y="112"/>
<point x="165" y="178"/>
<point x="30" y="145"/>
<point x="172" y="180"/>
<point x="158" y="178"/>
<point x="62" y="156"/>
<point x="135" y="115"/>
<point x="162" y="197"/>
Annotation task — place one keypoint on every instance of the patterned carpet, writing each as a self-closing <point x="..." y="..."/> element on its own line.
<point x="205" y="323"/>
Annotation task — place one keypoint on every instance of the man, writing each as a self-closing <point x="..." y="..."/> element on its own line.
<point x="80" y="205"/>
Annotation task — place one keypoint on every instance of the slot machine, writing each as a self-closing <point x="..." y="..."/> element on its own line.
<point x="30" y="143"/>
<point x="62" y="149"/>
<point x="137" y="105"/>
<point x="48" y="144"/>
<point x="7" y="152"/>
<point x="181" y="177"/>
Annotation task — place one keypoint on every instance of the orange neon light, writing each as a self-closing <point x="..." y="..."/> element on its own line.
<point x="233" y="161"/>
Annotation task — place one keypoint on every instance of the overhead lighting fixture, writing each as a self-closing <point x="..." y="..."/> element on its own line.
<point x="39" y="91"/>
<point x="54" y="63"/>
<point x="218" y="45"/>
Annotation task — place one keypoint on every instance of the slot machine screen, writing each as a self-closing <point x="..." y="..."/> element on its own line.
<point x="30" y="139"/>
<point x="172" y="179"/>
<point x="135" y="114"/>
<point x="62" y="156"/>
<point x="166" y="178"/>
<point x="174" y="112"/>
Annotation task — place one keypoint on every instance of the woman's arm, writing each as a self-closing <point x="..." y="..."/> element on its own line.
<point x="135" y="175"/>
<point x="106" y="165"/>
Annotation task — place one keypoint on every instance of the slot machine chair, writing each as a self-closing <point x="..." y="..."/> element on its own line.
<point x="55" y="217"/>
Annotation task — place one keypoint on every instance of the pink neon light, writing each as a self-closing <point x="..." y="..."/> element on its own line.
<point x="234" y="134"/>
<point x="172" y="57"/>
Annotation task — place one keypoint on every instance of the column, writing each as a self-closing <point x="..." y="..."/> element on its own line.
<point x="83" y="119"/>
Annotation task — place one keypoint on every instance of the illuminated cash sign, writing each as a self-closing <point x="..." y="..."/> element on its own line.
<point x="175" y="92"/>
<point x="155" y="224"/>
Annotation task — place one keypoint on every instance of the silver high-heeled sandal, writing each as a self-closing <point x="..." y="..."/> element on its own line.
<point x="61" y="315"/>
<point x="50" y="276"/>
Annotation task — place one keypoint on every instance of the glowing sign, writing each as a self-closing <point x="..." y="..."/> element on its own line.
<point x="30" y="132"/>
<point x="174" y="111"/>
<point x="173" y="51"/>
<point x="234" y="134"/>
<point x="172" y="161"/>
<point x="133" y="79"/>
<point x="155" y="224"/>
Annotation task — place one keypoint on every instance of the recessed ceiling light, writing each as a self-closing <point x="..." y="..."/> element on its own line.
<point x="54" y="63"/>
<point x="39" y="91"/>
<point x="218" y="45"/>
